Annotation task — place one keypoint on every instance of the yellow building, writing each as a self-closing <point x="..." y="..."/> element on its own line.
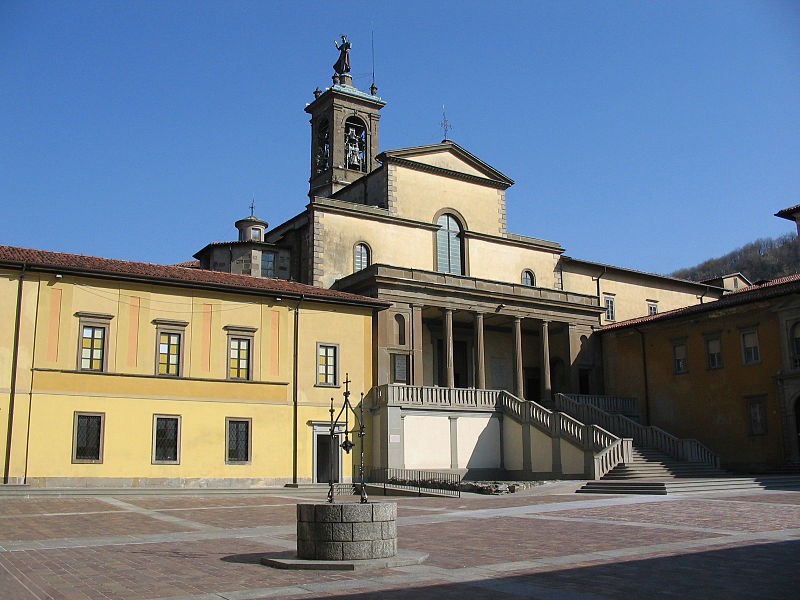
<point x="725" y="373"/>
<point x="119" y="373"/>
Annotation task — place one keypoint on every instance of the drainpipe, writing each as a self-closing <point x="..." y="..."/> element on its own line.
<point x="644" y="373"/>
<point x="294" y="388"/>
<point x="13" y="387"/>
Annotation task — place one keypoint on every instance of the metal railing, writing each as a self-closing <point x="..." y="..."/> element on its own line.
<point x="649" y="436"/>
<point x="416" y="480"/>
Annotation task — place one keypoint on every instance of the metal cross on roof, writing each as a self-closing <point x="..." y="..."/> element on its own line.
<point x="446" y="126"/>
<point x="252" y="207"/>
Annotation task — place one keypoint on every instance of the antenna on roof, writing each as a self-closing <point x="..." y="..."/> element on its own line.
<point x="373" y="88"/>
<point x="446" y="126"/>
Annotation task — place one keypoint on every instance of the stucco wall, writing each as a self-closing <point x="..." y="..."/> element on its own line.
<point x="426" y="442"/>
<point x="478" y="442"/>
<point x="128" y="392"/>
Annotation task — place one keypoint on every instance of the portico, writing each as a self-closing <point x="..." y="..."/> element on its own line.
<point x="463" y="332"/>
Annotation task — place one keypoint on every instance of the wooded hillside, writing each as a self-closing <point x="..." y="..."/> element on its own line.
<point x="765" y="258"/>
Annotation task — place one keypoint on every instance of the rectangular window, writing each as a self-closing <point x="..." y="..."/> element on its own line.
<point x="268" y="264"/>
<point x="757" y="415"/>
<point x="239" y="358"/>
<point x="609" y="301"/>
<point x="652" y="307"/>
<point x="237" y="440"/>
<point x="93" y="348"/>
<point x="714" y="353"/>
<point x="93" y="335"/>
<point x="166" y="439"/>
<point x="680" y="359"/>
<point x="400" y="368"/>
<point x="327" y="364"/>
<point x="256" y="234"/>
<point x="87" y="437"/>
<point x="750" y="352"/>
<point x="169" y="353"/>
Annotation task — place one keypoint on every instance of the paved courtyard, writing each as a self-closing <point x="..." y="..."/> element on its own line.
<point x="547" y="543"/>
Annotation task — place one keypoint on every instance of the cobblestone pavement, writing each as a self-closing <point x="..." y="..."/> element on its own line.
<point x="546" y="544"/>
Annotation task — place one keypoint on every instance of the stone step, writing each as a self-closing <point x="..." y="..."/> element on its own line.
<point x="684" y="486"/>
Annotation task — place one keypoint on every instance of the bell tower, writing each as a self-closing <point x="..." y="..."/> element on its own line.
<point x="344" y="130"/>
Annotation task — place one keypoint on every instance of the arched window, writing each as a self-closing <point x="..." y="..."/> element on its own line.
<point x="355" y="145"/>
<point x="360" y="257"/>
<point x="449" y="245"/>
<point x="400" y="329"/>
<point x="528" y="278"/>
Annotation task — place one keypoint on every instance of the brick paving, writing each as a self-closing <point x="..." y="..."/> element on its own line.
<point x="537" y="544"/>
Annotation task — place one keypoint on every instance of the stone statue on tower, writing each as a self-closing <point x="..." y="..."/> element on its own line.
<point x="343" y="64"/>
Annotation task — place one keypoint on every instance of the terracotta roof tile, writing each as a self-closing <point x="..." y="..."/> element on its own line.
<point x="752" y="293"/>
<point x="175" y="275"/>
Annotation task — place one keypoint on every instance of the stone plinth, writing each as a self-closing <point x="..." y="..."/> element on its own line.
<point x="347" y="531"/>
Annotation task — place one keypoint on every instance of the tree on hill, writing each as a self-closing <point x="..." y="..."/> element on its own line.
<point x="765" y="258"/>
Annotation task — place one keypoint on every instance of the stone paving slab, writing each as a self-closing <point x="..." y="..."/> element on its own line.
<point x="216" y="501"/>
<point x="118" y="523"/>
<point x="711" y="514"/>
<point x="544" y="546"/>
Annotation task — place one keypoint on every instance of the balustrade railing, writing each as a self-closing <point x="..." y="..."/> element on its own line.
<point x="573" y="421"/>
<point x="650" y="436"/>
<point x="611" y="404"/>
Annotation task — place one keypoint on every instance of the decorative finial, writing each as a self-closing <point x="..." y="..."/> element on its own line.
<point x="373" y="89"/>
<point x="253" y="207"/>
<point x="317" y="93"/>
<point x="446" y="126"/>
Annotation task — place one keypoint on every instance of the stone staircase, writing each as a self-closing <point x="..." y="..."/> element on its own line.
<point x="688" y="486"/>
<point x="653" y="472"/>
<point x="650" y="463"/>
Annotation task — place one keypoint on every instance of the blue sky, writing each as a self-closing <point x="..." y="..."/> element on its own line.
<point x="650" y="135"/>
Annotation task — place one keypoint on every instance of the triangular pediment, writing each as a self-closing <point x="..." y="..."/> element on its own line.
<point x="447" y="156"/>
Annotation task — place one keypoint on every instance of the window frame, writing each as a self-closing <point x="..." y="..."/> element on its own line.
<point x="240" y="332"/>
<point x="367" y="256"/>
<point x="708" y="338"/>
<point x="532" y="276"/>
<point x="336" y="357"/>
<point x="97" y="320"/>
<point x="274" y="256"/>
<point x="462" y="244"/>
<point x="652" y="308"/>
<point x="170" y="326"/>
<point x="177" y="461"/>
<point x="677" y="369"/>
<point x="249" y="421"/>
<point x="744" y="331"/>
<point x="76" y="418"/>
<point x="610" y="306"/>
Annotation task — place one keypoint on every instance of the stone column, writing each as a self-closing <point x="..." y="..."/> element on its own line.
<point x="417" y="368"/>
<point x="448" y="346"/>
<point x="546" y="388"/>
<point x="574" y="344"/>
<point x="519" y="376"/>
<point x="480" y="378"/>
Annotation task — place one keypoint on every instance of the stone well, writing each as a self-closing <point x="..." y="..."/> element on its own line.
<point x="347" y="531"/>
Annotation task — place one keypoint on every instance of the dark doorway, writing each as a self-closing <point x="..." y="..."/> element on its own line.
<point x="460" y="364"/>
<point x="533" y="384"/>
<point x="323" y="458"/>
<point x="583" y="381"/>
